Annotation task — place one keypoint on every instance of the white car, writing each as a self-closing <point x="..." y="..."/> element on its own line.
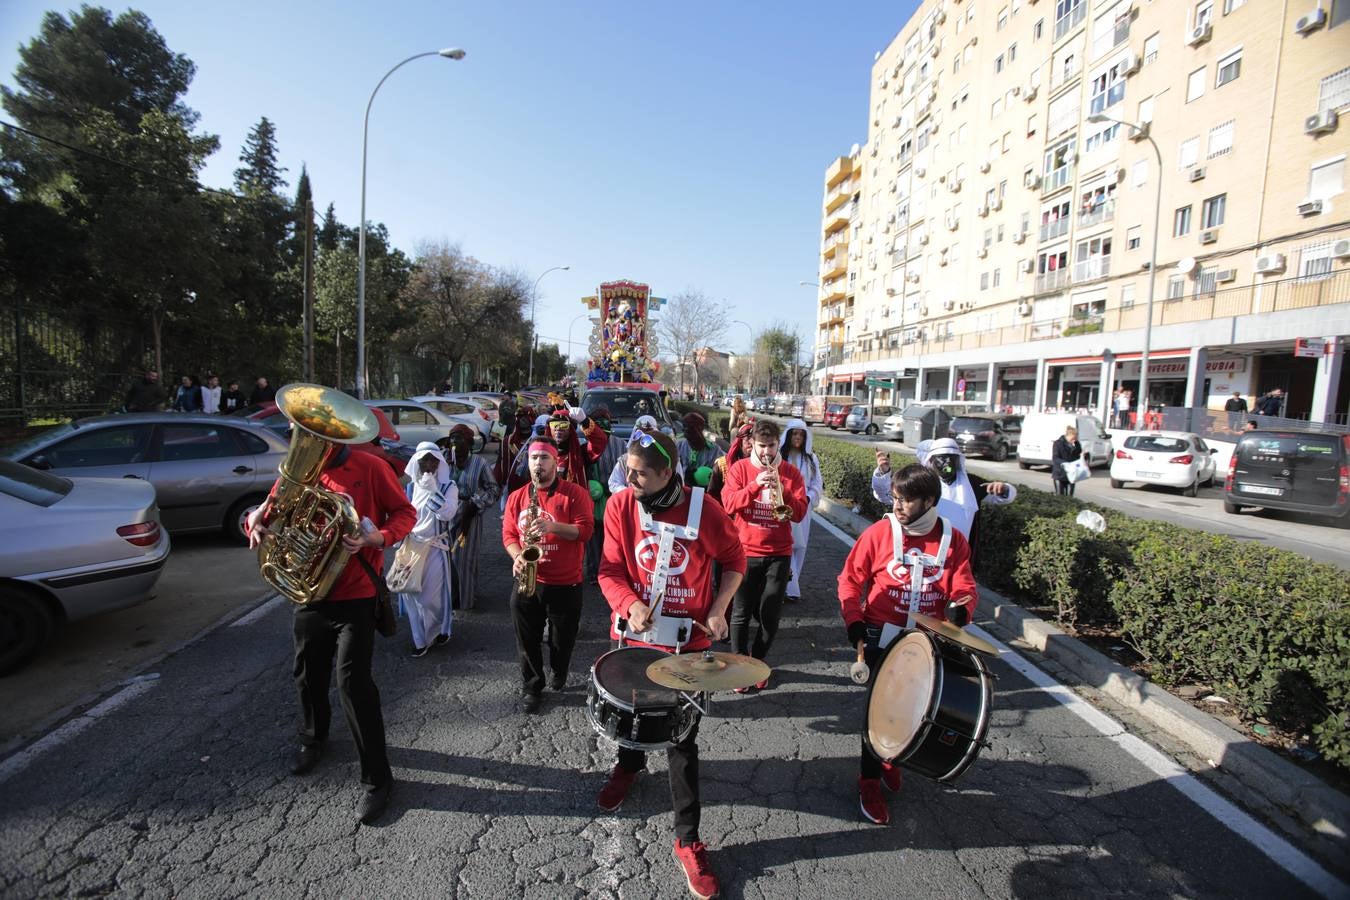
<point x="1041" y="430"/>
<point x="417" y="422"/>
<point x="1176" y="459"/>
<point x="465" y="408"/>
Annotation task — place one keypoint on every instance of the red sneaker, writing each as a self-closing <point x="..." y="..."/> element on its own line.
<point x="694" y="858"/>
<point x="616" y="789"/>
<point x="891" y="777"/>
<point x="871" y="802"/>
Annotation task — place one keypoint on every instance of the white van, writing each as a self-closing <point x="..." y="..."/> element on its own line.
<point x="1041" y="430"/>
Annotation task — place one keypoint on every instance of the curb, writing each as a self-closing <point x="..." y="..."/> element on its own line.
<point x="1316" y="805"/>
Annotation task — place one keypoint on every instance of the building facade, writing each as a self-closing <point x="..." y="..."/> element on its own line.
<point x="993" y="239"/>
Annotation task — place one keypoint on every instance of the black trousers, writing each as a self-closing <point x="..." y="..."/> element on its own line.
<point x="682" y="759"/>
<point x="869" y="764"/>
<point x="558" y="605"/>
<point x="345" y="629"/>
<point x="760" y="597"/>
<point x="1064" y="486"/>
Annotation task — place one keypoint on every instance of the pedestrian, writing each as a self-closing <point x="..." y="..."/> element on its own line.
<point x="1235" y="407"/>
<point x="512" y="446"/>
<point x="796" y="449"/>
<point x="1123" y="409"/>
<point x="763" y="495"/>
<point x="580" y="443"/>
<point x="188" y="397"/>
<point x="342" y="624"/>
<point x="1271" y="404"/>
<point x="232" y="400"/>
<point x="558" y="517"/>
<point x="429" y="601"/>
<point x="696" y="453"/>
<point x="875" y="615"/>
<point x="146" y="395"/>
<point x="618" y="473"/>
<point x="741" y="441"/>
<point x="1252" y="425"/>
<point x="1065" y="449"/>
<point x="658" y="509"/>
<point x="478" y="490"/>
<point x="506" y="411"/>
<point x="262" y="392"/>
<point x="737" y="415"/>
<point x="599" y="490"/>
<point x="211" y="395"/>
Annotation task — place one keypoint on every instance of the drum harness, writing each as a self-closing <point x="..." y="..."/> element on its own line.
<point x="917" y="561"/>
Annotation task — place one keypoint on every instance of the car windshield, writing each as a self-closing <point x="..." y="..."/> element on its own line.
<point x="970" y="423"/>
<point x="834" y="408"/>
<point x="23" y="447"/>
<point x="1156" y="443"/>
<point x="39" y="488"/>
<point x="624" y="406"/>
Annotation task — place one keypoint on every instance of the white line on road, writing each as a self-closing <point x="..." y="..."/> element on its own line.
<point x="21" y="760"/>
<point x="258" y="612"/>
<point x="1283" y="853"/>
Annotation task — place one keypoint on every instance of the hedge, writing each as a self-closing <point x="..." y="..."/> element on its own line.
<point x="1265" y="628"/>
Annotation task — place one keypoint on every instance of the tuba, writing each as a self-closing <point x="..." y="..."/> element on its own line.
<point x="532" y="552"/>
<point x="301" y="553"/>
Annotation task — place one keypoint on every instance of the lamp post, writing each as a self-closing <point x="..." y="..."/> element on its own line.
<point x="534" y="302"/>
<point x="361" y="387"/>
<point x="825" y="384"/>
<point x="1152" y="261"/>
<point x="585" y="315"/>
<point x="751" y="354"/>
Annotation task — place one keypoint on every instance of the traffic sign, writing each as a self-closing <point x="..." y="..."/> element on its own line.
<point x="880" y="383"/>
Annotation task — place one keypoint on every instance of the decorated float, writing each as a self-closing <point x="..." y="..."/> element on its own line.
<point x="623" y="344"/>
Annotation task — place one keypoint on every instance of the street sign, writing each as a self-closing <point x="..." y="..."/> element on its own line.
<point x="881" y="383"/>
<point x="1315" y="348"/>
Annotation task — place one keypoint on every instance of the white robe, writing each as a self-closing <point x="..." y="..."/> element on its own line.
<point x="815" y="485"/>
<point x="430" y="610"/>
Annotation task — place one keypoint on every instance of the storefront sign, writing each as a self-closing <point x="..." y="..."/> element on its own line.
<point x="1012" y="372"/>
<point x="1164" y="368"/>
<point x="1090" y="372"/>
<point x="1314" y="348"/>
<point x="1226" y="366"/>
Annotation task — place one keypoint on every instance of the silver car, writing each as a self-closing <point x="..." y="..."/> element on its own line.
<point x="70" y="548"/>
<point x="208" y="471"/>
<point x="464" y="409"/>
<point x="417" y="421"/>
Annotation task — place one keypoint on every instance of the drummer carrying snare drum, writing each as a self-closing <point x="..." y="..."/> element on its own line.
<point x="915" y="561"/>
<point x="659" y="579"/>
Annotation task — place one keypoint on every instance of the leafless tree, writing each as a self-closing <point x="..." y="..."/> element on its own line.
<point x="690" y="322"/>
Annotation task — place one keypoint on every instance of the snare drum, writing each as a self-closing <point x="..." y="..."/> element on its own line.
<point x="928" y="707"/>
<point x="628" y="708"/>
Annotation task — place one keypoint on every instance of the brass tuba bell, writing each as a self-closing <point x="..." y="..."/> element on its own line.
<point x="301" y="552"/>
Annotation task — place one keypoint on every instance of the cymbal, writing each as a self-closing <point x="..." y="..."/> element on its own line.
<point x="956" y="635"/>
<point x="707" y="671"/>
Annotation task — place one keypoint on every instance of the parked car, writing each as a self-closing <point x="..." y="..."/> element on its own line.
<point x="1178" y="459"/>
<point x="464" y="410"/>
<point x="994" y="435"/>
<point x="813" y="411"/>
<point x="1040" y="431"/>
<point x="797" y="408"/>
<point x="893" y="426"/>
<point x="863" y="419"/>
<point x="625" y="405"/>
<point x="208" y="471"/>
<point x="69" y="549"/>
<point x="1290" y="470"/>
<point x="836" y="414"/>
<point x="387" y="445"/>
<point x="417" y="422"/>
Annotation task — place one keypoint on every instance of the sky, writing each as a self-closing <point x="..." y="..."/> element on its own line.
<point x="679" y="144"/>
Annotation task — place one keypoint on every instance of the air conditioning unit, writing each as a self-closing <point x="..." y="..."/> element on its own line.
<point x="1270" y="264"/>
<point x="1223" y="276"/>
<point x="1140" y="133"/>
<point x="942" y="259"/>
<point x="1341" y="249"/>
<point x="933" y="125"/>
<point x="1196" y="174"/>
<point x="940" y="17"/>
<point x="894" y="187"/>
<point x="1024" y="309"/>
<point x="955" y="185"/>
<point x="982" y="252"/>
<point x="1026" y="265"/>
<point x="1197" y="36"/>
<point x="1209" y="236"/>
<point x="886" y="229"/>
<point x="874" y="150"/>
<point x="1029" y="93"/>
<point x="1120" y="174"/>
<point x="912" y="277"/>
<point x="1310" y="208"/>
<point x="923" y="240"/>
<point x="996" y="205"/>
<point x="869" y="239"/>
<point x="920" y="171"/>
<point x="1032" y="181"/>
<point x="885" y="83"/>
<point x="984" y="167"/>
<point x="899" y="120"/>
<point x="1130" y="65"/>
<point x="1322" y="123"/>
<point x="1019" y="238"/>
<point x="934" y="50"/>
<point x="949" y="305"/>
<point x="931" y="96"/>
<point x="953" y="224"/>
<point x="1311" y="22"/>
<point x="981" y="210"/>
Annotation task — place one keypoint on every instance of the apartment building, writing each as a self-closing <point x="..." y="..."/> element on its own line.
<point x="993" y="239"/>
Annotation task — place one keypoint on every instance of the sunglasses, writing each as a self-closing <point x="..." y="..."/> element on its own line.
<point x="647" y="440"/>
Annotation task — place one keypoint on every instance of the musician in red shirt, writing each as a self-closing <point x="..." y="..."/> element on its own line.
<point x="877" y="592"/>
<point x="748" y="497"/>
<point x="566" y="518"/>
<point x="626" y="574"/>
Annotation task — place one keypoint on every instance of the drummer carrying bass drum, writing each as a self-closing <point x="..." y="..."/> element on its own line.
<point x="911" y="543"/>
<point x="639" y="524"/>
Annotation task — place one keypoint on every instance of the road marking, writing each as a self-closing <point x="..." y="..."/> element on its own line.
<point x="1280" y="851"/>
<point x="258" y="612"/>
<point x="25" y="757"/>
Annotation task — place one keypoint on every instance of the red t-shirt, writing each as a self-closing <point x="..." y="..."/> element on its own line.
<point x="630" y="558"/>
<point x="376" y="494"/>
<point x="871" y="560"/>
<point x="563" y="502"/>
<point x="750" y="506"/>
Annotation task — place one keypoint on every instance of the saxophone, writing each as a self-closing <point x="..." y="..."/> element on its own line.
<point x="301" y="552"/>
<point x="525" y="582"/>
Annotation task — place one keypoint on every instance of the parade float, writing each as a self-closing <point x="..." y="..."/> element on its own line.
<point x="623" y="344"/>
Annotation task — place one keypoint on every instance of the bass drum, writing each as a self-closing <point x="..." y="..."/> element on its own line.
<point x="928" y="706"/>
<point x="630" y="709"/>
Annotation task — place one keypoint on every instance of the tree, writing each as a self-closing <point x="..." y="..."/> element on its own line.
<point x="259" y="230"/>
<point x="777" y="347"/>
<point x="690" y="322"/>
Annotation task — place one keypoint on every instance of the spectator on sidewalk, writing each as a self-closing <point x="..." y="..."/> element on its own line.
<point x="146" y="395"/>
<point x="211" y="395"/>
<point x="189" y="395"/>
<point x="1065" y="449"/>
<point x="1235" y="407"/>
<point x="262" y="392"/>
<point x="232" y="400"/>
<point x="1271" y="404"/>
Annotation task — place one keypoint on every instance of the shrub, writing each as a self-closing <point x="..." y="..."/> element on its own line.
<point x="846" y="469"/>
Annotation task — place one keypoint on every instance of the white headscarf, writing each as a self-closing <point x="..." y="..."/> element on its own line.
<point x="426" y="484"/>
<point x="958" y="503"/>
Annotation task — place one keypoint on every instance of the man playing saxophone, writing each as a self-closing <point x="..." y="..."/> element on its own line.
<point x="559" y="521"/>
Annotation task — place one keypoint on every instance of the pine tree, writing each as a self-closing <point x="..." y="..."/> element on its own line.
<point x="260" y="175"/>
<point x="260" y="230"/>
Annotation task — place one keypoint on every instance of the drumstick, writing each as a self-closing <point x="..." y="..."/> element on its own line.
<point x="859" y="671"/>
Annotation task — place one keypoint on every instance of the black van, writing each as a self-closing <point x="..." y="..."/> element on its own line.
<point x="1291" y="470"/>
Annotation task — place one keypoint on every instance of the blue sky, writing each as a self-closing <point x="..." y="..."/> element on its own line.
<point x="680" y="144"/>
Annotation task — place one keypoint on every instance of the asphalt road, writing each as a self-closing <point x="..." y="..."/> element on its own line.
<point x="176" y="787"/>
<point x="1316" y="538"/>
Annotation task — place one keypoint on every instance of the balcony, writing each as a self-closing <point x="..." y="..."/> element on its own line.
<point x="1052" y="230"/>
<point x="1049" y="282"/>
<point x="1093" y="267"/>
<point x="834" y="267"/>
<point x="1102" y="212"/>
<point x="840" y="169"/>
<point x="837" y="220"/>
<point x="836" y="200"/>
<point x="836" y="246"/>
<point x="1053" y="181"/>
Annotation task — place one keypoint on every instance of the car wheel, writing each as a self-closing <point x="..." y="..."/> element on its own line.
<point x="1000" y="453"/>
<point x="872" y="429"/>
<point x="1209" y="482"/>
<point x="1193" y="489"/>
<point x="26" y="624"/>
<point x="235" y="524"/>
<point x="1023" y="465"/>
<point x="1230" y="507"/>
<point x="1117" y="483"/>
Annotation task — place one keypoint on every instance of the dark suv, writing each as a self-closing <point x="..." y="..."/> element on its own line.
<point x="991" y="435"/>
<point x="1291" y="470"/>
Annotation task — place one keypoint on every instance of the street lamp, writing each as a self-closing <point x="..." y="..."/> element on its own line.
<point x="1142" y="130"/>
<point x="751" y="352"/>
<point x="361" y="387"/>
<point x="825" y="386"/>
<point x="534" y="301"/>
<point x="584" y="315"/>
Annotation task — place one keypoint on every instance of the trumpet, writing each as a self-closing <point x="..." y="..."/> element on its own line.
<point x="526" y="582"/>
<point x="781" y="511"/>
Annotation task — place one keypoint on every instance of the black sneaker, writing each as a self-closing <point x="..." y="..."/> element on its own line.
<point x="419" y="653"/>
<point x="306" y="757"/>
<point x="558" y="682"/>
<point x="373" y="804"/>
<point x="529" y="703"/>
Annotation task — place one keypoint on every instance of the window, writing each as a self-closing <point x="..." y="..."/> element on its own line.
<point x="1230" y="5"/>
<point x="1195" y="85"/>
<point x="1314" y="261"/>
<point x="1132" y="238"/>
<point x="1127" y="295"/>
<point x="984" y="281"/>
<point x="1230" y="67"/>
<point x="997" y="277"/>
<point x="1211" y="215"/>
<point x="1006" y="136"/>
<point x="1031" y="125"/>
<point x="1176" y="287"/>
<point x="181" y="443"/>
<point x="1038" y="29"/>
<point x="1181" y="221"/>
<point x="1106" y="135"/>
<point x="988" y="238"/>
<point x="1340" y="13"/>
<point x="118" y="446"/>
<point x="1326" y="180"/>
<point x="998" y="63"/>
<point x="1002" y="19"/>
<point x="1068" y="13"/>
<point x="1204" y="12"/>
<point x="1012" y="52"/>
<point x="1003" y="189"/>
<point x="1108" y="88"/>
<point x="408" y="415"/>
<point x="999" y="236"/>
<point x="1206" y="282"/>
<point x="1139" y="173"/>
<point x="1151" y="49"/>
<point x="1145" y="111"/>
<point x="1189" y="153"/>
<point x="1220" y="139"/>
<point x="1335" y="89"/>
<point x="996" y="109"/>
